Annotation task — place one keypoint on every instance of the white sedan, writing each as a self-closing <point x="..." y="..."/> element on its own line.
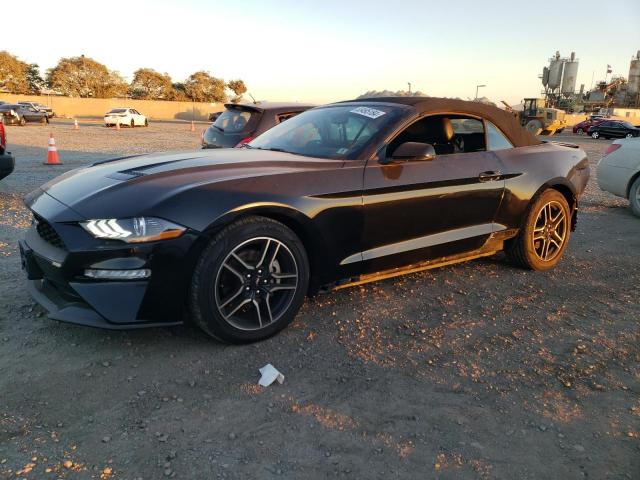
<point x="619" y="171"/>
<point x="125" y="117"/>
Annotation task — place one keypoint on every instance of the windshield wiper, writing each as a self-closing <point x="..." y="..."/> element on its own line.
<point x="272" y="149"/>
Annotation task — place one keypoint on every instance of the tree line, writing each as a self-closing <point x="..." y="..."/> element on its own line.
<point x="86" y="78"/>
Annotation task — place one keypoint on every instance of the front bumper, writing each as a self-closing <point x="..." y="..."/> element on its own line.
<point x="57" y="281"/>
<point x="7" y="164"/>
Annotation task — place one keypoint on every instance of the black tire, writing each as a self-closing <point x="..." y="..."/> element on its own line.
<point x="146" y="122"/>
<point x="580" y="131"/>
<point x="595" y="135"/>
<point x="132" y="123"/>
<point x="634" y="197"/>
<point x="22" y="122"/>
<point x="629" y="135"/>
<point x="524" y="250"/>
<point x="205" y="300"/>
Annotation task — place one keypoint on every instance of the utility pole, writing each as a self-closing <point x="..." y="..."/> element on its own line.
<point x="409" y="83"/>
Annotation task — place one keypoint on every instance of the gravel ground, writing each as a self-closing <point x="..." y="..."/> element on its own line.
<point x="478" y="370"/>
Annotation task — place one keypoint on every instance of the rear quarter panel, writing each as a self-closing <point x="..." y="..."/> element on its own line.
<point x="530" y="170"/>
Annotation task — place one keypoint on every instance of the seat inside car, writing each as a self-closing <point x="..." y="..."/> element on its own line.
<point x="437" y="131"/>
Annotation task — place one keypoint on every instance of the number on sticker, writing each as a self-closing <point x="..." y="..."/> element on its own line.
<point x="368" y="112"/>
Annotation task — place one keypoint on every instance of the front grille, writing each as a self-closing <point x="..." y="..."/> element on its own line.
<point x="47" y="233"/>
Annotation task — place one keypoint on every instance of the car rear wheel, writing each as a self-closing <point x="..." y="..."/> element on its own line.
<point x="250" y="281"/>
<point x="545" y="235"/>
<point x="146" y="122"/>
<point x="580" y="131"/>
<point x="629" y="135"/>
<point x="634" y="197"/>
<point x="595" y="135"/>
<point x="22" y="122"/>
<point x="133" y="124"/>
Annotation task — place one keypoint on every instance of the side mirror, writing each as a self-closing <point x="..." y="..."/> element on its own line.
<point x="414" y="151"/>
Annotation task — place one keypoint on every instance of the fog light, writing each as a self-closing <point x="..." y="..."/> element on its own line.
<point x="118" y="274"/>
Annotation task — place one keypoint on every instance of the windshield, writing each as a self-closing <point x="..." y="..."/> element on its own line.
<point x="233" y="120"/>
<point x="329" y="132"/>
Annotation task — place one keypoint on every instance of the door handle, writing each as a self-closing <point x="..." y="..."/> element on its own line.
<point x="490" y="175"/>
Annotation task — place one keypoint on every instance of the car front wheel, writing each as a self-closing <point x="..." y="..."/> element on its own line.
<point x="250" y="281"/>
<point x="580" y="131"/>
<point x="595" y="135"/>
<point x="545" y="234"/>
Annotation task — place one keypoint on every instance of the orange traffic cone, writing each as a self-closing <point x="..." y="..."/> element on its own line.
<point x="75" y="124"/>
<point x="52" y="153"/>
<point x="193" y="126"/>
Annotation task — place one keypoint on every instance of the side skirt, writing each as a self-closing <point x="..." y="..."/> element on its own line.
<point x="493" y="245"/>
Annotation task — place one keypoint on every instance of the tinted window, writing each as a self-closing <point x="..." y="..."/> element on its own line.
<point x="496" y="139"/>
<point x="330" y="132"/>
<point x="233" y="121"/>
<point x="118" y="110"/>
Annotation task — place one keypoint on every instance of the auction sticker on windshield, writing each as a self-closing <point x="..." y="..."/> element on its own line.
<point x="368" y="112"/>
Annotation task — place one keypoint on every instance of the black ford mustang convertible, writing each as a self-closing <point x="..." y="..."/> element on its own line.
<point x="338" y="195"/>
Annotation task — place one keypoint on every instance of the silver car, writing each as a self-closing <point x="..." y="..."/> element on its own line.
<point x="619" y="171"/>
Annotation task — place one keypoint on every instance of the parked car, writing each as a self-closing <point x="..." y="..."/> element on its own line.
<point x="14" y="114"/>
<point x="125" y="117"/>
<point x="582" y="127"/>
<point x="619" y="171"/>
<point x="614" y="129"/>
<point x="338" y="195"/>
<point x="41" y="107"/>
<point x="7" y="161"/>
<point x="240" y="123"/>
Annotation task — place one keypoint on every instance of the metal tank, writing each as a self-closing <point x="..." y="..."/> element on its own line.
<point x="555" y="71"/>
<point x="570" y="75"/>
<point x="634" y="75"/>
<point x="545" y="76"/>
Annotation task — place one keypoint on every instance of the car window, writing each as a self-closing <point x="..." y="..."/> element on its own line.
<point x="233" y="120"/>
<point x="286" y="116"/>
<point x="340" y="132"/>
<point x="448" y="134"/>
<point x="117" y="110"/>
<point x="496" y="139"/>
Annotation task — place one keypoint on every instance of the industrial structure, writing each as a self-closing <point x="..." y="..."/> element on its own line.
<point x="559" y="82"/>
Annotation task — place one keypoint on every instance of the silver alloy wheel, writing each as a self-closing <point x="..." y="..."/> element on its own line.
<point x="550" y="231"/>
<point x="629" y="135"/>
<point x="256" y="283"/>
<point x="580" y="131"/>
<point x="595" y="135"/>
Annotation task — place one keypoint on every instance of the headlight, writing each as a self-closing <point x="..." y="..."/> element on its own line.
<point x="133" y="230"/>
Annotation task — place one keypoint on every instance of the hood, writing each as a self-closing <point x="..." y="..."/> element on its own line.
<point x="142" y="181"/>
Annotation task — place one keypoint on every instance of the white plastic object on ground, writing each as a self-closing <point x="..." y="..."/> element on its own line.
<point x="269" y="375"/>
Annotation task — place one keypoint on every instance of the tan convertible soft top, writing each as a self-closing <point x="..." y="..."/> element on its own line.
<point x="502" y="119"/>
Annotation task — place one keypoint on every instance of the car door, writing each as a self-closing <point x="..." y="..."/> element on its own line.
<point x="424" y="209"/>
<point x="616" y="130"/>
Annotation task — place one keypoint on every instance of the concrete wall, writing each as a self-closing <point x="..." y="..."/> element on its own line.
<point x="97" y="107"/>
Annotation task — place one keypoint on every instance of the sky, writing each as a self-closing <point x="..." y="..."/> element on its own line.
<point x="329" y="50"/>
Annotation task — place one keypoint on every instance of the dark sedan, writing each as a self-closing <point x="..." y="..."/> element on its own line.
<point x="7" y="161"/>
<point x="240" y="123"/>
<point x="339" y="195"/>
<point x="614" y="129"/>
<point x="15" y="114"/>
